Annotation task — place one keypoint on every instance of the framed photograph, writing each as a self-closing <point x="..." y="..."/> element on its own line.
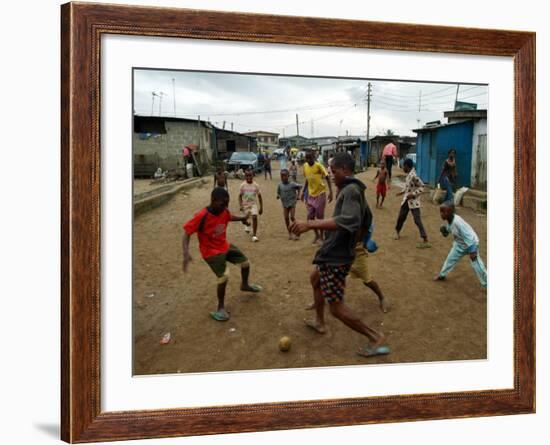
<point x="274" y="222"/>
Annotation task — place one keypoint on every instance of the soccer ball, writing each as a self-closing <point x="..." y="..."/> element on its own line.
<point x="284" y="343"/>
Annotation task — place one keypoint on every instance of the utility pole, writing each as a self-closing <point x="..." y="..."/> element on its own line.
<point x="153" y="95"/>
<point x="297" y="126"/>
<point x="223" y="127"/>
<point x="419" y="100"/>
<point x="456" y="99"/>
<point x="231" y="126"/>
<point x="174" y="94"/>
<point x="161" y="95"/>
<point x="369" y="95"/>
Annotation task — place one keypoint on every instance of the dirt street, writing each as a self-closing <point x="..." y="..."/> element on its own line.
<point x="428" y="321"/>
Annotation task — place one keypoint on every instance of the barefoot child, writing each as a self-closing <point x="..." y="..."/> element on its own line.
<point x="412" y="190"/>
<point x="220" y="178"/>
<point x="293" y="170"/>
<point x="334" y="258"/>
<point x="249" y="197"/>
<point x="382" y="184"/>
<point x="210" y="225"/>
<point x="288" y="193"/>
<point x="466" y="242"/>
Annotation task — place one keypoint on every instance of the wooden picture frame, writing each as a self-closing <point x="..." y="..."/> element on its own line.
<point x="82" y="28"/>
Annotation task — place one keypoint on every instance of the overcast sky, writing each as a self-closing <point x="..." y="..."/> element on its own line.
<point x="325" y="107"/>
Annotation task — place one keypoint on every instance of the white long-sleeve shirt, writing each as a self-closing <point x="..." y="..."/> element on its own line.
<point x="463" y="234"/>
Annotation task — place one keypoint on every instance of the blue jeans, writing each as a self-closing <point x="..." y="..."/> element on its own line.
<point x="456" y="253"/>
<point x="446" y="184"/>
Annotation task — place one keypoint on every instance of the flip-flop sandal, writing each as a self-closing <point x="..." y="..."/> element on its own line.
<point x="368" y="351"/>
<point x="423" y="245"/>
<point x="254" y="288"/>
<point x="219" y="316"/>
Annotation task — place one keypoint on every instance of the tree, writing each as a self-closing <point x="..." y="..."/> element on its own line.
<point x="389" y="132"/>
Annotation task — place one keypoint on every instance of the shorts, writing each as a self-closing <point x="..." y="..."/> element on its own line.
<point x="333" y="281"/>
<point x="316" y="206"/>
<point x="360" y="267"/>
<point x="218" y="262"/>
<point x="251" y="210"/>
<point x="381" y="189"/>
<point x="267" y="167"/>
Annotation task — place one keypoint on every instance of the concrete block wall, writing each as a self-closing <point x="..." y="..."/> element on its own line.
<point x="167" y="148"/>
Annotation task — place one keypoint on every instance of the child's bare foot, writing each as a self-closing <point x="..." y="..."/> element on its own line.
<point x="317" y="327"/>
<point x="396" y="236"/>
<point x="439" y="278"/>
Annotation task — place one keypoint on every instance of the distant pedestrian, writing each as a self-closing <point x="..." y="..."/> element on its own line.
<point x="267" y="166"/>
<point x="411" y="202"/>
<point x="261" y="160"/>
<point x="389" y="156"/>
<point x="448" y="175"/>
<point x="293" y="171"/>
<point x="466" y="242"/>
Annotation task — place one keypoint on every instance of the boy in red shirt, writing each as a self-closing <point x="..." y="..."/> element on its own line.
<point x="210" y="224"/>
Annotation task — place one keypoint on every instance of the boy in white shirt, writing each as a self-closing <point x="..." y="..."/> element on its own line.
<point x="466" y="242"/>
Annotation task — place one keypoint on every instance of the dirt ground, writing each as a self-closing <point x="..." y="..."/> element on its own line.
<point x="428" y="321"/>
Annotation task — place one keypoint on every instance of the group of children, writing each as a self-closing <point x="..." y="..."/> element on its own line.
<point x="340" y="238"/>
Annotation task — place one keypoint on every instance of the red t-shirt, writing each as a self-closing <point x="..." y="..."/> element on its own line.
<point x="212" y="240"/>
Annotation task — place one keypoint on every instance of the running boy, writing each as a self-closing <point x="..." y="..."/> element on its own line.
<point x="466" y="242"/>
<point x="249" y="197"/>
<point x="288" y="193"/>
<point x="412" y="190"/>
<point x="334" y="258"/>
<point x="210" y="225"/>
<point x="382" y="185"/>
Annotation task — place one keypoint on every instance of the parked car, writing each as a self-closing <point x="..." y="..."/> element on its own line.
<point x="411" y="156"/>
<point x="244" y="160"/>
<point x="278" y="153"/>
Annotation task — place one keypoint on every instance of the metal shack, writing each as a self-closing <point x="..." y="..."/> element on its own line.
<point x="228" y="142"/>
<point x="466" y="132"/>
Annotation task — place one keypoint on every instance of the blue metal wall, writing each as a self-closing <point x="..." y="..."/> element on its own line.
<point x="433" y="146"/>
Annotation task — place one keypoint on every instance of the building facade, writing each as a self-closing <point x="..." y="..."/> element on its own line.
<point x="264" y="138"/>
<point x="160" y="141"/>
